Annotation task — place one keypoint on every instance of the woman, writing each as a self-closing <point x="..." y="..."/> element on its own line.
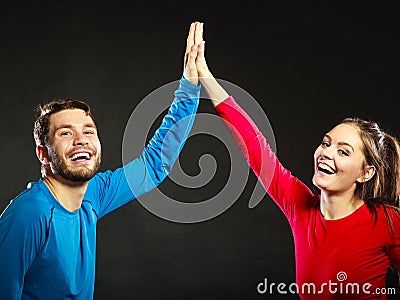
<point x="347" y="236"/>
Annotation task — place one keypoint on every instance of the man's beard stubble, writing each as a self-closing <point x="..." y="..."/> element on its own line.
<point x="81" y="174"/>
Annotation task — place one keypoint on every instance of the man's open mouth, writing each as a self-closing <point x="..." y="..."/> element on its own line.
<point x="80" y="156"/>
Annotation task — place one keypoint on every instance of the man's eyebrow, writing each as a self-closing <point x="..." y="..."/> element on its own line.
<point x="87" y="125"/>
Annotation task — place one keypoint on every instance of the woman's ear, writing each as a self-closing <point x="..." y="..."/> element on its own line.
<point x="367" y="174"/>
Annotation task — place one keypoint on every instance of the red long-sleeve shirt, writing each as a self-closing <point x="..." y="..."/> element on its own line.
<point x="347" y="258"/>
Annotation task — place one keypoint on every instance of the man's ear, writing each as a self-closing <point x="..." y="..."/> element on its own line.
<point x="42" y="154"/>
<point x="367" y="174"/>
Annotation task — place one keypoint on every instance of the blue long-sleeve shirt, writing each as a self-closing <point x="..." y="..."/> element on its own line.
<point x="48" y="252"/>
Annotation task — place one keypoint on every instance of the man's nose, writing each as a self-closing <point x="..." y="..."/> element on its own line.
<point x="80" y="139"/>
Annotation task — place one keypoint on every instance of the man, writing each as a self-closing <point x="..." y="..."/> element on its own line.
<point x="48" y="232"/>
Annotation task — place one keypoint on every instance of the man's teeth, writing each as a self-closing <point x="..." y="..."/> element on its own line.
<point x="82" y="155"/>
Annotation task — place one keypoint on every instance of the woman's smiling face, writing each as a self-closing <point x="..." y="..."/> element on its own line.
<point x="339" y="160"/>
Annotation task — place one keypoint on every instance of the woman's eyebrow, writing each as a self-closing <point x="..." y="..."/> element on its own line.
<point x="340" y="143"/>
<point x="346" y="144"/>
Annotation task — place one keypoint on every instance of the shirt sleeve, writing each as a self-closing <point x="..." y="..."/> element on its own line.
<point x="114" y="189"/>
<point x="22" y="234"/>
<point x="285" y="189"/>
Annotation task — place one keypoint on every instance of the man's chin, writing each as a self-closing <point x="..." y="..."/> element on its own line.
<point x="77" y="177"/>
<point x="75" y="173"/>
<point x="81" y="174"/>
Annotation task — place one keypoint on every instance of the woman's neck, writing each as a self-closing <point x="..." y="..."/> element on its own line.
<point x="335" y="207"/>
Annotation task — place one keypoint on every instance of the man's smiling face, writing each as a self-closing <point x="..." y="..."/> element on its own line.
<point x="74" y="150"/>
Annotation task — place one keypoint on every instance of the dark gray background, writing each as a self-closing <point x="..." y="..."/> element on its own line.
<point x="307" y="64"/>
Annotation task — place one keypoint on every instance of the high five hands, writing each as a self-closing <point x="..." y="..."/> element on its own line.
<point x="195" y="66"/>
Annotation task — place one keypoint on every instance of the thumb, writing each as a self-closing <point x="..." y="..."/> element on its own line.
<point x="202" y="47"/>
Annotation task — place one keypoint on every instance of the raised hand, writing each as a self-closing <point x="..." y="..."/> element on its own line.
<point x="189" y="63"/>
<point x="215" y="91"/>
<point x="201" y="64"/>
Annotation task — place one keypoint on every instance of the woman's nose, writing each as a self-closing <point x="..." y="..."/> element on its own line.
<point x="327" y="152"/>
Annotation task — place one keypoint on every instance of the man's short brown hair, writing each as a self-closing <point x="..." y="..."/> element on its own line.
<point x="42" y="124"/>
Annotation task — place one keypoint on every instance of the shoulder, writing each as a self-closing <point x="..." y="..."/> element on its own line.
<point x="388" y="211"/>
<point x="100" y="182"/>
<point x="30" y="206"/>
<point x="387" y="217"/>
<point x="394" y="216"/>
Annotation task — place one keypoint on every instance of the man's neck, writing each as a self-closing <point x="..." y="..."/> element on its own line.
<point x="68" y="194"/>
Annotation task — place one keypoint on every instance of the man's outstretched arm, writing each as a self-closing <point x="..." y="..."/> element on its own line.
<point x="157" y="159"/>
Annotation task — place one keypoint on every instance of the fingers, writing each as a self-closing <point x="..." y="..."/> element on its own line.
<point x="193" y="43"/>
<point x="190" y="70"/>
<point x="190" y="38"/>
<point x="201" y="64"/>
<point x="189" y="43"/>
<point x="198" y="34"/>
<point x="195" y="35"/>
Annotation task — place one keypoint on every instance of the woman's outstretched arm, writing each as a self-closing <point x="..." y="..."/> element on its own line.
<point x="286" y="190"/>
